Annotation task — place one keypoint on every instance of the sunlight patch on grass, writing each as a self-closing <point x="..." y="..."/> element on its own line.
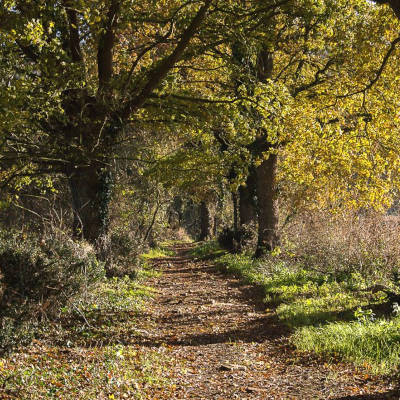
<point x="320" y="308"/>
<point x="158" y="252"/>
<point x="207" y="249"/>
<point x="371" y="344"/>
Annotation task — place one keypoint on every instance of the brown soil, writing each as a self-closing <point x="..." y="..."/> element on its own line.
<point x="225" y="344"/>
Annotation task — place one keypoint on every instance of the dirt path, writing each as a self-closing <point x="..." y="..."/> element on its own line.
<point x="226" y="346"/>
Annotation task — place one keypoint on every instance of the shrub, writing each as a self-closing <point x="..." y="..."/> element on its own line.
<point x="366" y="243"/>
<point x="235" y="240"/>
<point x="38" y="277"/>
<point x="120" y="253"/>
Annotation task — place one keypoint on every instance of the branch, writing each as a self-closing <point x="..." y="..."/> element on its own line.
<point x="28" y="51"/>
<point x="144" y="52"/>
<point x="156" y="75"/>
<point x="317" y="79"/>
<point x="223" y="144"/>
<point x="74" y="40"/>
<point x="394" y="4"/>
<point x="105" y="47"/>
<point x="378" y="73"/>
<point x="8" y="20"/>
<point x="197" y="99"/>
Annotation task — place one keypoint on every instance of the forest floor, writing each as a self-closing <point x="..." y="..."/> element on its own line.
<point x="186" y="332"/>
<point x="226" y="345"/>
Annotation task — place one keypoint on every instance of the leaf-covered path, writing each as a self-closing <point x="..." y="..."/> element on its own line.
<point x="226" y="345"/>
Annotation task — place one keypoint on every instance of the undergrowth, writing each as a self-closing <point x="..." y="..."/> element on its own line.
<point x="90" y="351"/>
<point x="331" y="313"/>
<point x="38" y="278"/>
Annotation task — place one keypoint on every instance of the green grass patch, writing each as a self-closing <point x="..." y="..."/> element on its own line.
<point x="207" y="249"/>
<point x="328" y="313"/>
<point x="319" y="310"/>
<point x="371" y="344"/>
<point x="158" y="252"/>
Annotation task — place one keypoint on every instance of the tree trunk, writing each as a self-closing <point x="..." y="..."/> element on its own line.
<point x="247" y="212"/>
<point x="205" y="223"/>
<point x="217" y="215"/>
<point x="268" y="237"/>
<point x="91" y="193"/>
<point x="235" y="202"/>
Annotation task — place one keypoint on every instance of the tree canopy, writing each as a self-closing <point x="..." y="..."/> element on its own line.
<point x="198" y="96"/>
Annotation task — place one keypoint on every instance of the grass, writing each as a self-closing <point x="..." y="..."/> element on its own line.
<point x="91" y="353"/>
<point x="207" y="249"/>
<point x="374" y="345"/>
<point x="158" y="252"/>
<point x="328" y="314"/>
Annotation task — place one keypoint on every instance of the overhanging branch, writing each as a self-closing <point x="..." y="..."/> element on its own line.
<point x="156" y="75"/>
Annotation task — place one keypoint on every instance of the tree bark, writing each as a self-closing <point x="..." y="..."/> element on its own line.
<point x="91" y="193"/>
<point x="205" y="223"/>
<point x="268" y="237"/>
<point x="247" y="211"/>
<point x="235" y="202"/>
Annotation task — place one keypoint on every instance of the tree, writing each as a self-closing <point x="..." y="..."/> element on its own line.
<point x="394" y="4"/>
<point x="88" y="68"/>
<point x="90" y="75"/>
<point x="314" y="57"/>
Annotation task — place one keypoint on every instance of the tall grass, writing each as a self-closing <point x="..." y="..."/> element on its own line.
<point x="366" y="243"/>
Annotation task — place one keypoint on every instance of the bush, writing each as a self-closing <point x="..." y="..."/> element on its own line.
<point x="366" y="243"/>
<point x="235" y="241"/>
<point x="120" y="253"/>
<point x="37" y="277"/>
